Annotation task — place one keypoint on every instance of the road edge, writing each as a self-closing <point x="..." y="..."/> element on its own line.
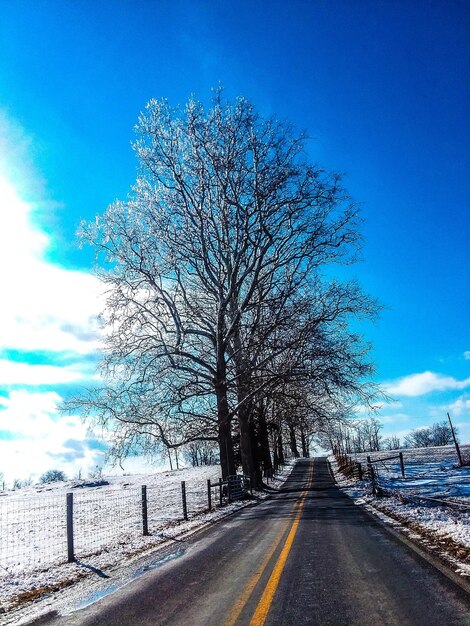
<point x="418" y="549"/>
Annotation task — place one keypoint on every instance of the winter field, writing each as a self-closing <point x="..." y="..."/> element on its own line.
<point x="107" y="522"/>
<point x="432" y="501"/>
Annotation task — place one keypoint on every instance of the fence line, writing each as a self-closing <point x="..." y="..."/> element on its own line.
<point x="32" y="532"/>
<point x="353" y="469"/>
<point x="349" y="467"/>
<point x="40" y="531"/>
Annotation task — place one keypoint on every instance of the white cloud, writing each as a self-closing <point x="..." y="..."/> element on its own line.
<point x="44" y="306"/>
<point x="40" y="439"/>
<point x="401" y="434"/>
<point x="14" y="373"/>
<point x="460" y="407"/>
<point x="394" y="419"/>
<point x="17" y="150"/>
<point x="463" y="431"/>
<point x="426" y="382"/>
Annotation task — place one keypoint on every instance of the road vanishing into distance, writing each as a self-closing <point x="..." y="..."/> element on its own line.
<point x="308" y="555"/>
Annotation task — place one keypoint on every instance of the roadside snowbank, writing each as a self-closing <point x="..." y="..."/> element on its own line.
<point x="429" y="473"/>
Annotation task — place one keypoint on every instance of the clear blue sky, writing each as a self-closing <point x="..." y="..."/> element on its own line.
<point x="382" y="87"/>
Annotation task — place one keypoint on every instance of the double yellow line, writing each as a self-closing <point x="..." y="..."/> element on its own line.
<point x="261" y="612"/>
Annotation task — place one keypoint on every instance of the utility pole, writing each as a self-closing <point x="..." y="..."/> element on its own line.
<point x="455" y="441"/>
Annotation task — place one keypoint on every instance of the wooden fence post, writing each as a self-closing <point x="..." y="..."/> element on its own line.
<point x="402" y="464"/>
<point x="220" y="491"/>
<point x="371" y="471"/>
<point x="70" y="546"/>
<point x="183" y="494"/>
<point x="359" y="470"/>
<point x="145" y="526"/>
<point x="455" y="441"/>
<point x="209" y="494"/>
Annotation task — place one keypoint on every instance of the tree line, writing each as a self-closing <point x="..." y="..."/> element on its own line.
<point x="225" y="322"/>
<point x="364" y="435"/>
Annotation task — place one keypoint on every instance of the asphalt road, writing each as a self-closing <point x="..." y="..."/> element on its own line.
<point x="307" y="556"/>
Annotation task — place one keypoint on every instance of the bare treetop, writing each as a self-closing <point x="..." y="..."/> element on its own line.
<point x="215" y="270"/>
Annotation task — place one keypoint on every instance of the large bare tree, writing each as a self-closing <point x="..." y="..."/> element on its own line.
<point x="211" y="265"/>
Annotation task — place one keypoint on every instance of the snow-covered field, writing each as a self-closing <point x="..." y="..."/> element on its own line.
<point x="107" y="523"/>
<point x="433" y="500"/>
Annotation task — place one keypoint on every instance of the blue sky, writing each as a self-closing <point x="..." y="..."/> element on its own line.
<point x="382" y="87"/>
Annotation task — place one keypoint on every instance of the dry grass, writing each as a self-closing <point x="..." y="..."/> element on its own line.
<point x="439" y="545"/>
<point x="39" y="592"/>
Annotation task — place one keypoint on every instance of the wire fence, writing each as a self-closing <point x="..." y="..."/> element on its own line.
<point x="39" y="531"/>
<point x="32" y="532"/>
<point x="387" y="476"/>
<point x="105" y="519"/>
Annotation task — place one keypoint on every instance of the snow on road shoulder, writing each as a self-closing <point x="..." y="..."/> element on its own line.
<point x="107" y="529"/>
<point x="430" y="474"/>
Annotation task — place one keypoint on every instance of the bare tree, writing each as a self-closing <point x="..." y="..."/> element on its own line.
<point x="391" y="443"/>
<point x="221" y="242"/>
<point x="439" y="434"/>
<point x="201" y="453"/>
<point x="52" y="476"/>
<point x="419" y="438"/>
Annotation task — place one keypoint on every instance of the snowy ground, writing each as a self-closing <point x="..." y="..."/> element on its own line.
<point x="432" y="501"/>
<point x="107" y="527"/>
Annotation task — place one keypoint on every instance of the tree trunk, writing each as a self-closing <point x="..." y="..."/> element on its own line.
<point x="257" y="476"/>
<point x="305" y="452"/>
<point x="293" y="442"/>
<point x="247" y="435"/>
<point x="246" y="447"/>
<point x="227" y="461"/>
<point x="275" y="455"/>
<point x="263" y="442"/>
<point x="280" y="449"/>
<point x="245" y="418"/>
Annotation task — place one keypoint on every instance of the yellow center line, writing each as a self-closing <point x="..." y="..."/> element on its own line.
<point x="259" y="616"/>
<point x="245" y="596"/>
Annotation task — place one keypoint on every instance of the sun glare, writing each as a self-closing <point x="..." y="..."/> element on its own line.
<point x="19" y="239"/>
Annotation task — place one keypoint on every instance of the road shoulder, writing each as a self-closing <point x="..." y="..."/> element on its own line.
<point x="423" y="544"/>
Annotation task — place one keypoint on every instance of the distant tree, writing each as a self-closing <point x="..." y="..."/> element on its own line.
<point x="19" y="483"/>
<point x="201" y="453"/>
<point x="419" y="438"/>
<point x="97" y="473"/>
<point x="391" y="443"/>
<point x="53" y="476"/>
<point x="442" y="434"/>
<point x="361" y="436"/>
<point x="439" y="434"/>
